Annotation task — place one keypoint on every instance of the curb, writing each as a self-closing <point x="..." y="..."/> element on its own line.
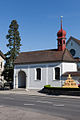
<point x="35" y="93"/>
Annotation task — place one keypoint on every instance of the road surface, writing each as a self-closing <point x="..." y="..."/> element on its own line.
<point x="61" y="107"/>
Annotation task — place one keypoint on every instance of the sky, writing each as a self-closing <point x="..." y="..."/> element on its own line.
<point x="39" y="22"/>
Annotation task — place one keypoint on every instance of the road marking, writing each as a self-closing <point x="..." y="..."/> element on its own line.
<point x="28" y="104"/>
<point x="59" y="105"/>
<point x="44" y="102"/>
<point x="10" y="98"/>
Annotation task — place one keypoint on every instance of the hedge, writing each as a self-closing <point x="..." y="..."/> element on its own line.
<point x="60" y="91"/>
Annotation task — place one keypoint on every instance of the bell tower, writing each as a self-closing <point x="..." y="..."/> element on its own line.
<point x="61" y="38"/>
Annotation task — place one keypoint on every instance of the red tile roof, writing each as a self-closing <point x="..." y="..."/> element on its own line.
<point x="44" y="56"/>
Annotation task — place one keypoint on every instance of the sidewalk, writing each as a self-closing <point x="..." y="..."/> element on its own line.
<point x="34" y="93"/>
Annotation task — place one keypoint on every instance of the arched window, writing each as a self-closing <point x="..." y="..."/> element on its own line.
<point x="38" y="73"/>
<point x="64" y="42"/>
<point x="1" y="65"/>
<point x="21" y="79"/>
<point x="57" y="73"/>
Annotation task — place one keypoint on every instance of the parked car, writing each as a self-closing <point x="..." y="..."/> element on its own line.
<point x="8" y="85"/>
<point x="79" y="85"/>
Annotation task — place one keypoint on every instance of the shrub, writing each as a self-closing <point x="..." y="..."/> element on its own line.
<point x="47" y="86"/>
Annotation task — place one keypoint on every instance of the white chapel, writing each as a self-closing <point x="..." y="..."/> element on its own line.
<point x="35" y="69"/>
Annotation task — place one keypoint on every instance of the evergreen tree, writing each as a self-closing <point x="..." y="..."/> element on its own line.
<point x="14" y="49"/>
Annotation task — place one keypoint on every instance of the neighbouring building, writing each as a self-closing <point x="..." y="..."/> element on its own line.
<point x="35" y="69"/>
<point x="73" y="45"/>
<point x="2" y="60"/>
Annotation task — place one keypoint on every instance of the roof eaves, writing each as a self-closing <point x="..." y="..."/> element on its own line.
<point x="2" y="55"/>
<point x="69" y="40"/>
<point x="76" y="40"/>
<point x="42" y="62"/>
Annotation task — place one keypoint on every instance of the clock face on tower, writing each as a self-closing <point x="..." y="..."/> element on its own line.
<point x="72" y="51"/>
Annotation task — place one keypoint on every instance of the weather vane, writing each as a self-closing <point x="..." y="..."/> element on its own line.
<point x="61" y="21"/>
<point x="61" y="17"/>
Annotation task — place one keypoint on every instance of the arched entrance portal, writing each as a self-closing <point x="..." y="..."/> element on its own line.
<point x="21" y="79"/>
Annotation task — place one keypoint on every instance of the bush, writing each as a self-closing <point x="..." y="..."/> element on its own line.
<point x="48" y="86"/>
<point x="60" y="91"/>
<point x="61" y="88"/>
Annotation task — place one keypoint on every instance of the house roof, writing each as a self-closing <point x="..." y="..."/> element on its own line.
<point x="76" y="40"/>
<point x="77" y="59"/>
<point x="72" y="73"/>
<point x="2" y="55"/>
<point x="43" y="56"/>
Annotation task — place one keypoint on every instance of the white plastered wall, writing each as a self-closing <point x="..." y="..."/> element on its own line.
<point x="68" y="67"/>
<point x="1" y="69"/>
<point x="47" y="74"/>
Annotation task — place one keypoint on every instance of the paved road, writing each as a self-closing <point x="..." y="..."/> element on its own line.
<point x="67" y="108"/>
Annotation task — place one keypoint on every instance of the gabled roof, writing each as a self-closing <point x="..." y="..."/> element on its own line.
<point x="77" y="59"/>
<point x="72" y="73"/>
<point x="2" y="55"/>
<point x="76" y="40"/>
<point x="43" y="56"/>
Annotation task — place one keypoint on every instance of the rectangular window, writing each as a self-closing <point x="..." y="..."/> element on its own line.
<point x="57" y="73"/>
<point x="38" y="73"/>
<point x="1" y="65"/>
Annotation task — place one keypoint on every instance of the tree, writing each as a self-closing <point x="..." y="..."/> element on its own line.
<point x="14" y="49"/>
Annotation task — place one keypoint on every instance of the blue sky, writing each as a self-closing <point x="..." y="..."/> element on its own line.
<point x="39" y="21"/>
